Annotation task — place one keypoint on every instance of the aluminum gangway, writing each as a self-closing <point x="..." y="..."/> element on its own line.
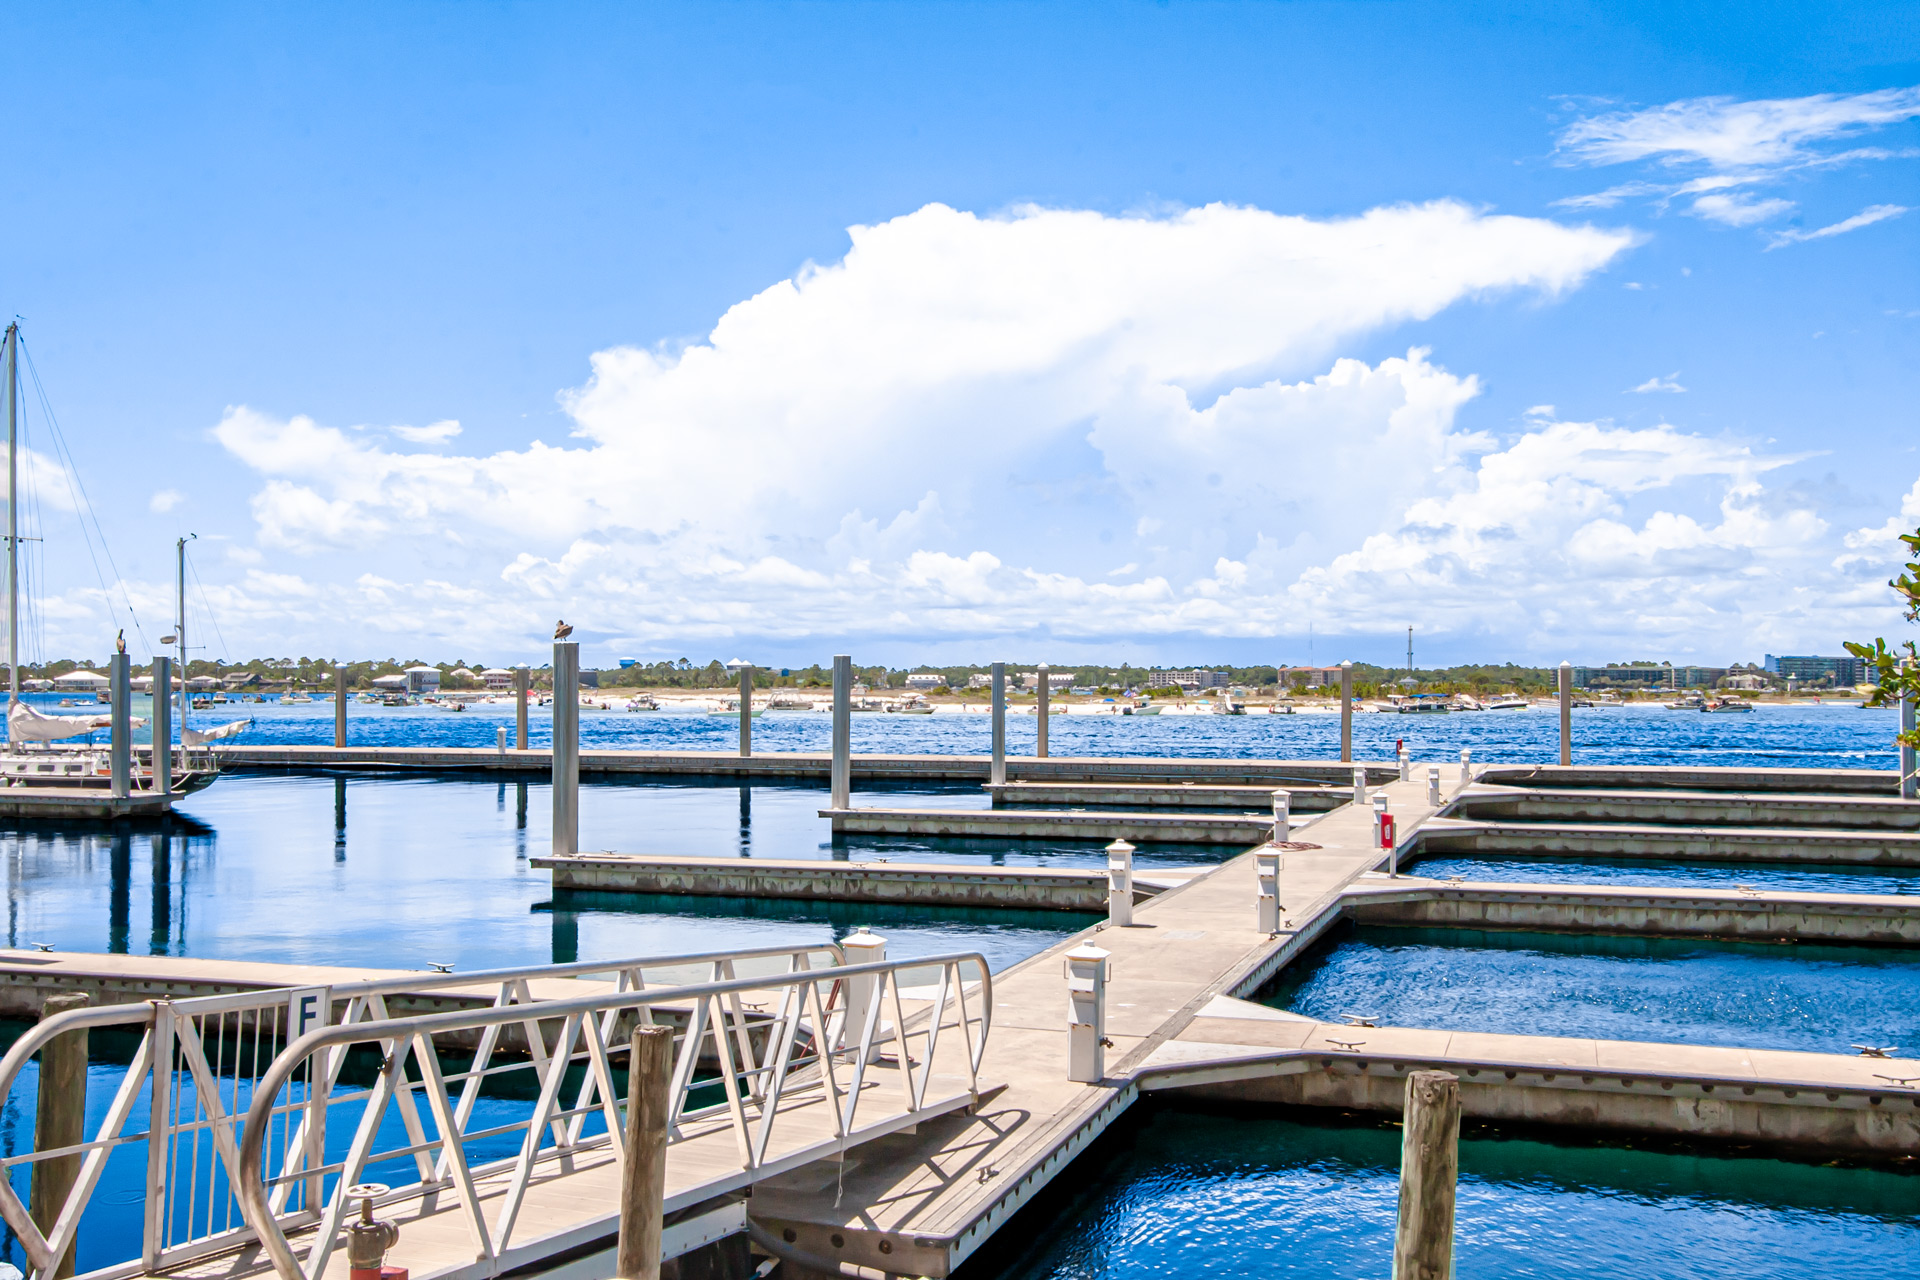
<point x="495" y="1124"/>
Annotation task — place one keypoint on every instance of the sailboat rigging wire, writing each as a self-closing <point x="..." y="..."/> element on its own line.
<point x="82" y="502"/>
<point x="206" y="604"/>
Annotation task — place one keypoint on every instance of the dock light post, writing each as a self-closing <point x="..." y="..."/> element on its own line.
<point x="1088" y="969"/>
<point x="1040" y="712"/>
<point x="746" y="711"/>
<point x="566" y="747"/>
<point x="997" y="774"/>
<point x="1566" y="713"/>
<point x="1266" y="875"/>
<point x="1359" y="785"/>
<point x="842" y="774"/>
<point x="1119" y="883"/>
<point x="1282" y="815"/>
<point x="1429" y="1173"/>
<point x="120" y="750"/>
<point x="862" y="946"/>
<point x="162" y="763"/>
<point x="1433" y="786"/>
<point x="1346" y="711"/>
<point x="522" y="678"/>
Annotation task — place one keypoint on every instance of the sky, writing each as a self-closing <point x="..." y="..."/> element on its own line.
<point x="1183" y="333"/>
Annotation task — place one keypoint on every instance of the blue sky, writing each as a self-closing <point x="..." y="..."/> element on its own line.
<point x="1178" y="330"/>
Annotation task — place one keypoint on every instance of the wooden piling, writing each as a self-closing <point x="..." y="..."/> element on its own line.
<point x="746" y="711"/>
<point x="1566" y="712"/>
<point x="339" y="704"/>
<point x="522" y="678"/>
<point x="1346" y="711"/>
<point x="61" y="1121"/>
<point x="643" y="1178"/>
<point x="1429" y="1170"/>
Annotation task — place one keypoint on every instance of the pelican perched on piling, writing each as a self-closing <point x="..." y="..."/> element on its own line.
<point x="562" y="629"/>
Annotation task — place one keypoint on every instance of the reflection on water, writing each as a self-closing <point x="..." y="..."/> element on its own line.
<point x="400" y="872"/>
<point x="1177" y="1191"/>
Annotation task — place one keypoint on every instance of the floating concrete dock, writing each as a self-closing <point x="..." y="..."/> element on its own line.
<point x="1803" y="845"/>
<point x="1184" y="795"/>
<point x="92" y="804"/>
<point x="1750" y="914"/>
<point x="1686" y="808"/>
<point x="1847" y="782"/>
<point x="1054" y="824"/>
<point x="820" y="880"/>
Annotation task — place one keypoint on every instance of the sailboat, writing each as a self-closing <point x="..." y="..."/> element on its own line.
<point x="36" y="754"/>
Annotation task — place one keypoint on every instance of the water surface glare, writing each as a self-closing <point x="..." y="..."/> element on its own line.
<point x="1179" y="1192"/>
<point x="1816" y="998"/>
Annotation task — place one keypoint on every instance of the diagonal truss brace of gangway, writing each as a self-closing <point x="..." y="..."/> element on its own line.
<point x="297" y="1090"/>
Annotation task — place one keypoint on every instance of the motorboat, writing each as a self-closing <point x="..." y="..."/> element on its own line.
<point x="1725" y="706"/>
<point x="1508" y="702"/>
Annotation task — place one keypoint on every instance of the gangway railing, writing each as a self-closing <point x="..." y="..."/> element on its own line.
<point x="820" y="1054"/>
<point x="196" y="1067"/>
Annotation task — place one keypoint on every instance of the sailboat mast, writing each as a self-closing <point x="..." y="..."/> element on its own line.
<point x="13" y="516"/>
<point x="180" y="615"/>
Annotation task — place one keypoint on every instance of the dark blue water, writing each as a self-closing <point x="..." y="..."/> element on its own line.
<point x="1814" y="998"/>
<point x="1188" y="1193"/>
<point x="401" y="871"/>
<point x="1621" y="872"/>
<point x="1825" y="736"/>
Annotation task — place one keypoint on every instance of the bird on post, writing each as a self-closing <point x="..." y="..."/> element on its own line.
<point x="120" y="641"/>
<point x="562" y="629"/>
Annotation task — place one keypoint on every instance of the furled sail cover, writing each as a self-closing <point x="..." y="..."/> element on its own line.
<point x="200" y="738"/>
<point x="24" y="724"/>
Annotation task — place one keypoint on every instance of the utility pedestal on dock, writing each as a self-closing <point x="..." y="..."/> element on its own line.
<point x="566" y="747"/>
<point x="1429" y="1171"/>
<point x="841" y="779"/>
<point x="61" y="1120"/>
<point x="1041" y="712"/>
<point x="1087" y="974"/>
<point x="162" y="726"/>
<point x="1120" y="883"/>
<point x="120" y="751"/>
<point x="339" y="704"/>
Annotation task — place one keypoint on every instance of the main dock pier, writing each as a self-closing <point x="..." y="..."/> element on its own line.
<point x="845" y="1112"/>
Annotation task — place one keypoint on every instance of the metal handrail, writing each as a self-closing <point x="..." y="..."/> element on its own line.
<point x="153" y="1064"/>
<point x="751" y="1084"/>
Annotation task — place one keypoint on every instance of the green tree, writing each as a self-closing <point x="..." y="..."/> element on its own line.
<point x="1896" y="668"/>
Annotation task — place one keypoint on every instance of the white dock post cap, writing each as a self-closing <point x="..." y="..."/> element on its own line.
<point x="1347" y="663"/>
<point x="1086" y="953"/>
<point x="1119" y="849"/>
<point x="864" y="939"/>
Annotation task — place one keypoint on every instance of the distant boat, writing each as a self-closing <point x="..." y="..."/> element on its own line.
<point x="1688" y="702"/>
<point x="1725" y="706"/>
<point x="1508" y="702"/>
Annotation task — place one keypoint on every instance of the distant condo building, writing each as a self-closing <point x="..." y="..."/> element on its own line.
<point x="1812" y="670"/>
<point x="1648" y="675"/>
<point x="1311" y="677"/>
<point x="1193" y="679"/>
<point x="1055" y="680"/>
<point x="924" y="680"/>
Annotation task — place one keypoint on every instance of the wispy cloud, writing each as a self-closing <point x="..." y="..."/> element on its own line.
<point x="1727" y="134"/>
<point x="165" y="501"/>
<point x="433" y="433"/>
<point x="1740" y="144"/>
<point x="1865" y="218"/>
<point x="1669" y="383"/>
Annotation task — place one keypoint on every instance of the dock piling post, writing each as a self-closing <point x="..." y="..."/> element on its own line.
<point x="120" y="748"/>
<point x="339" y="704"/>
<point x="1042" y="710"/>
<point x="1429" y="1174"/>
<point x="522" y="678"/>
<point x="1119" y="883"/>
<point x="862" y="946"/>
<point x="500" y="740"/>
<point x="1282" y="816"/>
<point x="1359" y="785"/>
<point x="746" y="711"/>
<point x="1909" y="782"/>
<point x="1266" y="873"/>
<point x="1406" y="763"/>
<point x="1566" y="713"/>
<point x="566" y="747"/>
<point x="1087" y="974"/>
<point x="60" y="1121"/>
<point x="643" y="1175"/>
<point x="1346" y="711"/>
<point x="997" y="773"/>
<point x="1466" y="765"/>
<point x="161" y="765"/>
<point x="1433" y="786"/>
<point x="842" y="774"/>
